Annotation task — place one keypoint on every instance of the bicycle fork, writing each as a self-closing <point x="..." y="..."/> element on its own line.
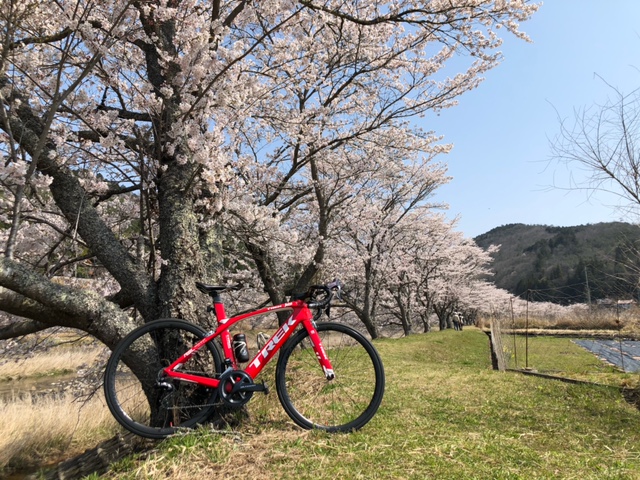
<point x="318" y="348"/>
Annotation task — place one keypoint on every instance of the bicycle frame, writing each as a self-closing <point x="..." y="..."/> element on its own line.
<point x="301" y="315"/>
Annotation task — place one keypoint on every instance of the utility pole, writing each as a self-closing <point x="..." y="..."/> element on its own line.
<point x="588" y="292"/>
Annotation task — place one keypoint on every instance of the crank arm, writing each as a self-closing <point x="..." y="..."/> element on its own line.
<point x="252" y="387"/>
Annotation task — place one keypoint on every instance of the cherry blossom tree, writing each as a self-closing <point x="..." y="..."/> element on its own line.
<point x="349" y="101"/>
<point x="134" y="132"/>
<point x="375" y="243"/>
<point x="416" y="265"/>
<point x="460" y="266"/>
<point x="409" y="263"/>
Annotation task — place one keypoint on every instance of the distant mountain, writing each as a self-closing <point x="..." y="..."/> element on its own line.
<point x="566" y="264"/>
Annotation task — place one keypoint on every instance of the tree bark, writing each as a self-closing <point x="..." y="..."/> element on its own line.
<point x="179" y="241"/>
<point x="58" y="305"/>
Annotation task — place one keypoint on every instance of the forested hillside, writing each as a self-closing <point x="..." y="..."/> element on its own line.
<point x="566" y="264"/>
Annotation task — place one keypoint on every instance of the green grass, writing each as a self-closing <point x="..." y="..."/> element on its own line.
<point x="563" y="357"/>
<point x="446" y="415"/>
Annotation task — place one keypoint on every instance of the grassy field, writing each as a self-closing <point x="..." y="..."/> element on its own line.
<point x="56" y="362"/>
<point x="559" y="356"/>
<point x="446" y="415"/>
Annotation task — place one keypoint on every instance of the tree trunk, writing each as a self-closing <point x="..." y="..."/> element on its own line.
<point x="442" y="314"/>
<point x="179" y="242"/>
<point x="426" y="327"/>
<point x="370" y="325"/>
<point x="404" y="314"/>
<point x="272" y="285"/>
<point x="366" y="317"/>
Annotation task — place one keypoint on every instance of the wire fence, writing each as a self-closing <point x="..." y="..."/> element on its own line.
<point x="595" y="343"/>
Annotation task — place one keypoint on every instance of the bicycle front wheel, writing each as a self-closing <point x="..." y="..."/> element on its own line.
<point x="139" y="396"/>
<point x="343" y="404"/>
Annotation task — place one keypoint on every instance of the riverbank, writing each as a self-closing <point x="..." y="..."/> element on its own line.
<point x="53" y="407"/>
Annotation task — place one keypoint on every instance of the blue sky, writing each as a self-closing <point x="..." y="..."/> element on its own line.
<point x="502" y="130"/>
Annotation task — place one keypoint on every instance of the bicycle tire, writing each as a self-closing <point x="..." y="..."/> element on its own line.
<point x="343" y="404"/>
<point x="133" y="392"/>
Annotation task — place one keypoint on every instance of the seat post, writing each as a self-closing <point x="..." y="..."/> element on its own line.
<point x="218" y="308"/>
<point x="214" y="292"/>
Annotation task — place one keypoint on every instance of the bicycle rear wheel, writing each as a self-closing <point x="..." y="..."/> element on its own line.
<point x="343" y="404"/>
<point x="139" y="396"/>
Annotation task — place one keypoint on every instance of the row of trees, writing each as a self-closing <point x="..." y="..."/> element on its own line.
<point x="169" y="141"/>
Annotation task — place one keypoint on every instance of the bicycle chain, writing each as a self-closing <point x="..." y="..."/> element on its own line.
<point x="186" y="407"/>
<point x="195" y="406"/>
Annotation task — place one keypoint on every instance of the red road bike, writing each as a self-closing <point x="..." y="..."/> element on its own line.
<point x="328" y="375"/>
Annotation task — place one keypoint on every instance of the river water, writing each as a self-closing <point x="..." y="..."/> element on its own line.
<point x="34" y="386"/>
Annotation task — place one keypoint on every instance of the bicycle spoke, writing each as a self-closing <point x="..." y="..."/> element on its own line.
<point x="342" y="404"/>
<point x="137" y="395"/>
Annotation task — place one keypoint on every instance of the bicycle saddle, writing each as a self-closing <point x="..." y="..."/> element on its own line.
<point x="209" y="289"/>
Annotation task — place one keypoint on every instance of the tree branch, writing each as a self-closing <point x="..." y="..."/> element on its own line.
<point x="56" y="37"/>
<point x="126" y="114"/>
<point x="42" y="39"/>
<point x="21" y="328"/>
<point x="71" y="198"/>
<point x="37" y="298"/>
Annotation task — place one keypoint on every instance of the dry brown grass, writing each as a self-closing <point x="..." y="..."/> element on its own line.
<point x="55" y="361"/>
<point x="41" y="427"/>
<point x="228" y="455"/>
<point x="626" y="323"/>
<point x="37" y="430"/>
